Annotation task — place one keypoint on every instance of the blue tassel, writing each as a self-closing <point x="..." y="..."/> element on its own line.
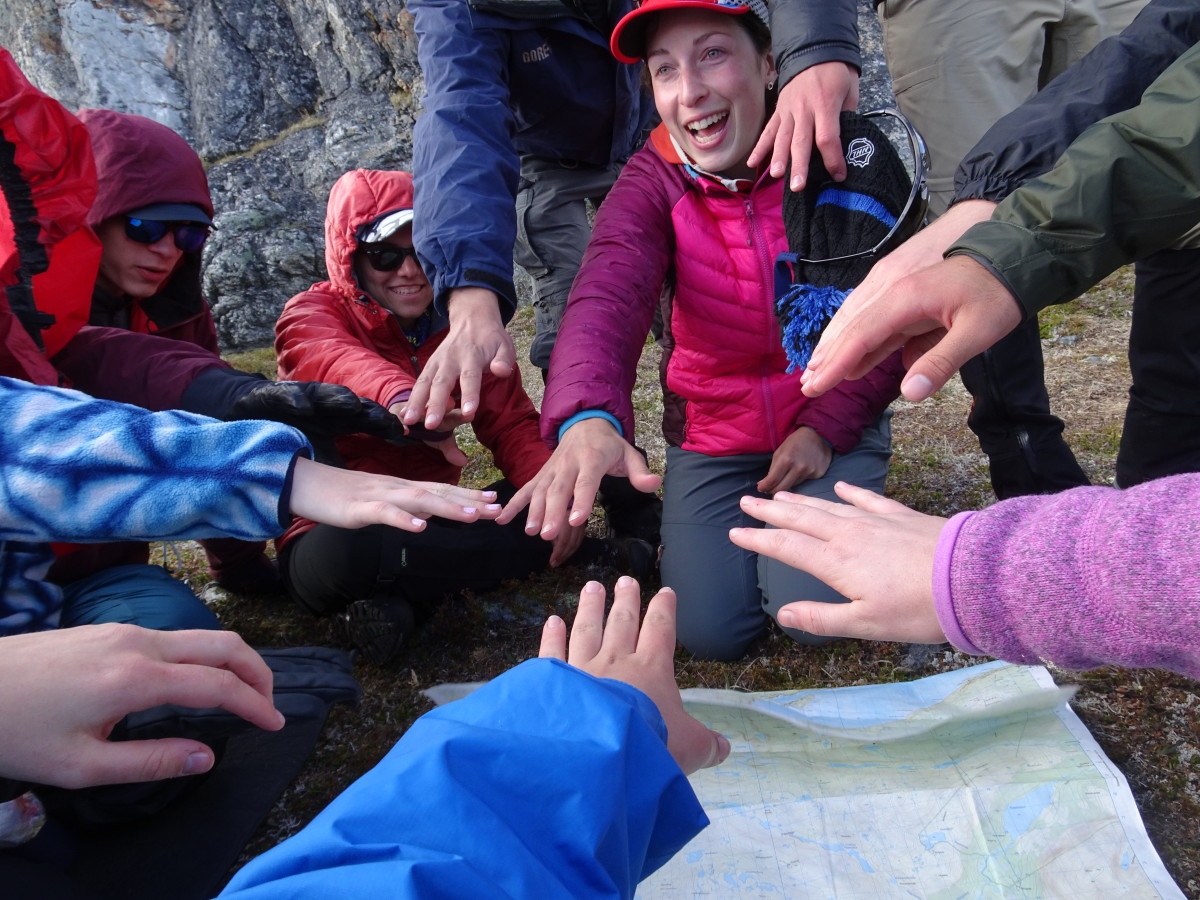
<point x="804" y="311"/>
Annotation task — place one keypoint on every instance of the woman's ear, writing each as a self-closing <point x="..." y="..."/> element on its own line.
<point x="772" y="74"/>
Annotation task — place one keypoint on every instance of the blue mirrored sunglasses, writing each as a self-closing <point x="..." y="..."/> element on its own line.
<point x="189" y="236"/>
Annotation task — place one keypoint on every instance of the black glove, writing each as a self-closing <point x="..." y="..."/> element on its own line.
<point x="322" y="411"/>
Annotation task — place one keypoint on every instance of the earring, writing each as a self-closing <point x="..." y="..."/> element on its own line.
<point x="771" y="85"/>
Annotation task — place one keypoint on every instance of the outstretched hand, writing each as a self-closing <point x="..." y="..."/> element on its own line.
<point x="875" y="551"/>
<point x="806" y="115"/>
<point x="942" y="316"/>
<point x="477" y="341"/>
<point x="349" y="499"/>
<point x="64" y="691"/>
<point x="642" y="657"/>
<point x="562" y="493"/>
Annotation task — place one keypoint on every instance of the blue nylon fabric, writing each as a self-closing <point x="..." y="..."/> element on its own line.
<point x="545" y="782"/>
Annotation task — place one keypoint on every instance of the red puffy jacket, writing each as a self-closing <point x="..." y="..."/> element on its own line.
<point x="47" y="186"/>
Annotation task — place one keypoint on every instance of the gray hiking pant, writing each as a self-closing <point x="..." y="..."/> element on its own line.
<point x="552" y="232"/>
<point x="725" y="593"/>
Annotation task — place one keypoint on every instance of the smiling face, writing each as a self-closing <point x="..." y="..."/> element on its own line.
<point x="710" y="86"/>
<point x="405" y="291"/>
<point x="130" y="269"/>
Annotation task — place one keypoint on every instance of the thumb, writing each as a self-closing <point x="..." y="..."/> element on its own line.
<point x="818" y="618"/>
<point x="935" y="366"/>
<point x="124" y="762"/>
<point x="505" y="361"/>
<point x="452" y="452"/>
<point x="638" y="472"/>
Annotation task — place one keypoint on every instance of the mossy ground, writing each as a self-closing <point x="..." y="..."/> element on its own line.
<point x="1148" y="721"/>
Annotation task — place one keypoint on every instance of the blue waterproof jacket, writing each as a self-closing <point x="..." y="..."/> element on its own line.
<point x="511" y="78"/>
<point x="546" y="782"/>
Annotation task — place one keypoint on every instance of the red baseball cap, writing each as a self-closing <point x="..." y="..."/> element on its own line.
<point x="628" y="42"/>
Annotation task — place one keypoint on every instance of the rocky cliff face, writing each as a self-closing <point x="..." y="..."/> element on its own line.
<point x="279" y="97"/>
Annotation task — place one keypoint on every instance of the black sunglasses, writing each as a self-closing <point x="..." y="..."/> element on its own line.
<point x="387" y="257"/>
<point x="189" y="236"/>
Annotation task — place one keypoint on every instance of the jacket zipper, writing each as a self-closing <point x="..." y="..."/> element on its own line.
<point x="757" y="240"/>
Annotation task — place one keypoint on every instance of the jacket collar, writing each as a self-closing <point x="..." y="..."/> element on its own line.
<point x="664" y="142"/>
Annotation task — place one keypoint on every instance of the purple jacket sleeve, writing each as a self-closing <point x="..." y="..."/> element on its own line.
<point x="141" y="369"/>
<point x="1089" y="577"/>
<point x="600" y="340"/>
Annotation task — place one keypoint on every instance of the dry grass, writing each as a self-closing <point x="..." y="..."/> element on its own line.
<point x="1146" y="721"/>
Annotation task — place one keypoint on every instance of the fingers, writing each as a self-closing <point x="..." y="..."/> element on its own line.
<point x="657" y="636"/>
<point x="433" y="394"/>
<point x="637" y="471"/>
<point x="796" y="147"/>
<point x="867" y="500"/>
<point x="201" y="686"/>
<point x="566" y="544"/>
<point x="518" y="502"/>
<point x="554" y="639"/>
<point x="933" y="369"/>
<point x="588" y="630"/>
<point x="766" y="144"/>
<point x="418" y="398"/>
<point x="624" y="620"/>
<point x="214" y="649"/>
<point x="828" y="143"/>
<point x="450" y="451"/>
<point x="847" y="352"/>
<point x="798" y="548"/>
<point x="125" y="762"/>
<point x="504" y="363"/>
<point x="470" y="379"/>
<point x="563" y="499"/>
<point x="831" y="619"/>
<point x="771" y="482"/>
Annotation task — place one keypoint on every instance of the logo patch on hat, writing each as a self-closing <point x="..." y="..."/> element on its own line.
<point x="859" y="152"/>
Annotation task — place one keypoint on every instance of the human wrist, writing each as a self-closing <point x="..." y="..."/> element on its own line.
<point x="943" y="591"/>
<point x="466" y="304"/>
<point x="584" y="415"/>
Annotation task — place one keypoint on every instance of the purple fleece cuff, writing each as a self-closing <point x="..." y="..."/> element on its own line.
<point x="943" y="595"/>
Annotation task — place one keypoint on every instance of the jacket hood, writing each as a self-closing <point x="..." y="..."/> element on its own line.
<point x="139" y="162"/>
<point x="357" y="198"/>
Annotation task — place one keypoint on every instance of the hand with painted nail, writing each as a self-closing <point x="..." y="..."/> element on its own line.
<point x="639" y="655"/>
<point x="65" y="690"/>
<point x="562" y="493"/>
<point x="875" y="551"/>
<point x="942" y="316"/>
<point x="350" y="499"/>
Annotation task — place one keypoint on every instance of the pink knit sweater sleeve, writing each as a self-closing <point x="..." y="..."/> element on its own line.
<point x="1085" y="578"/>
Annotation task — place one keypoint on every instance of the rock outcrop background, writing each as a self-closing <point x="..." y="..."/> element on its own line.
<point x="279" y="97"/>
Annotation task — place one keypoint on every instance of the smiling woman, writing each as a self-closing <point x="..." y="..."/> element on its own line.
<point x="372" y="327"/>
<point x="689" y="212"/>
<point x="711" y="75"/>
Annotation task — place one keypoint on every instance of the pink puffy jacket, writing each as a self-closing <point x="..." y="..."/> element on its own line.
<point x="726" y="386"/>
